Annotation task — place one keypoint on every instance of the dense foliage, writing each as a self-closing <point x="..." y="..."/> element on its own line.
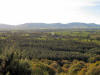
<point x="50" y="52"/>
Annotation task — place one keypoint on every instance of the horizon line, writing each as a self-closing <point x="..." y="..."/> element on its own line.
<point x="47" y="23"/>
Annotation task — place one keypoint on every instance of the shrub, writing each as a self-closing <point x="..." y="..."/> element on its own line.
<point x="75" y="68"/>
<point x="94" y="59"/>
<point x="20" y="67"/>
<point x="94" y="69"/>
<point x="42" y="69"/>
<point x="83" y="71"/>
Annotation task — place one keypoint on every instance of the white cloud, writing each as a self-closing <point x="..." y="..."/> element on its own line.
<point x="48" y="11"/>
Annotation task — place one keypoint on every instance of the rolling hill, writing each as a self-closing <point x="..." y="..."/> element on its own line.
<point x="49" y="26"/>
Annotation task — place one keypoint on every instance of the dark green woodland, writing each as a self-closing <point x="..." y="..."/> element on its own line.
<point x="50" y="52"/>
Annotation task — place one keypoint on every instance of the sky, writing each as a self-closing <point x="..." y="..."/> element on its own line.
<point x="16" y="12"/>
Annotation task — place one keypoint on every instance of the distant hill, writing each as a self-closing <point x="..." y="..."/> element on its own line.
<point x="50" y="26"/>
<point x="6" y="26"/>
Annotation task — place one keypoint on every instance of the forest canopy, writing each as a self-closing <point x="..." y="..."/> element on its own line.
<point x="50" y="52"/>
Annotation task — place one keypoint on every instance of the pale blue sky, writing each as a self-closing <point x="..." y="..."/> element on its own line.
<point x="94" y="10"/>
<point x="49" y="11"/>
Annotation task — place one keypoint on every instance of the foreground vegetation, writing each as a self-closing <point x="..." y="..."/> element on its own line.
<point x="50" y="52"/>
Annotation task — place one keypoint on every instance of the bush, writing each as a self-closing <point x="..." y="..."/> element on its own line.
<point x="42" y="69"/>
<point x="20" y="67"/>
<point x="75" y="68"/>
<point x="94" y="69"/>
<point x="83" y="71"/>
<point x="94" y="59"/>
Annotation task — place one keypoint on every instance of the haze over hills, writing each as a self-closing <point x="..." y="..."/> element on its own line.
<point x="50" y="26"/>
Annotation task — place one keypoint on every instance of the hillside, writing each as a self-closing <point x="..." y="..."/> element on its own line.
<point x="50" y="26"/>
